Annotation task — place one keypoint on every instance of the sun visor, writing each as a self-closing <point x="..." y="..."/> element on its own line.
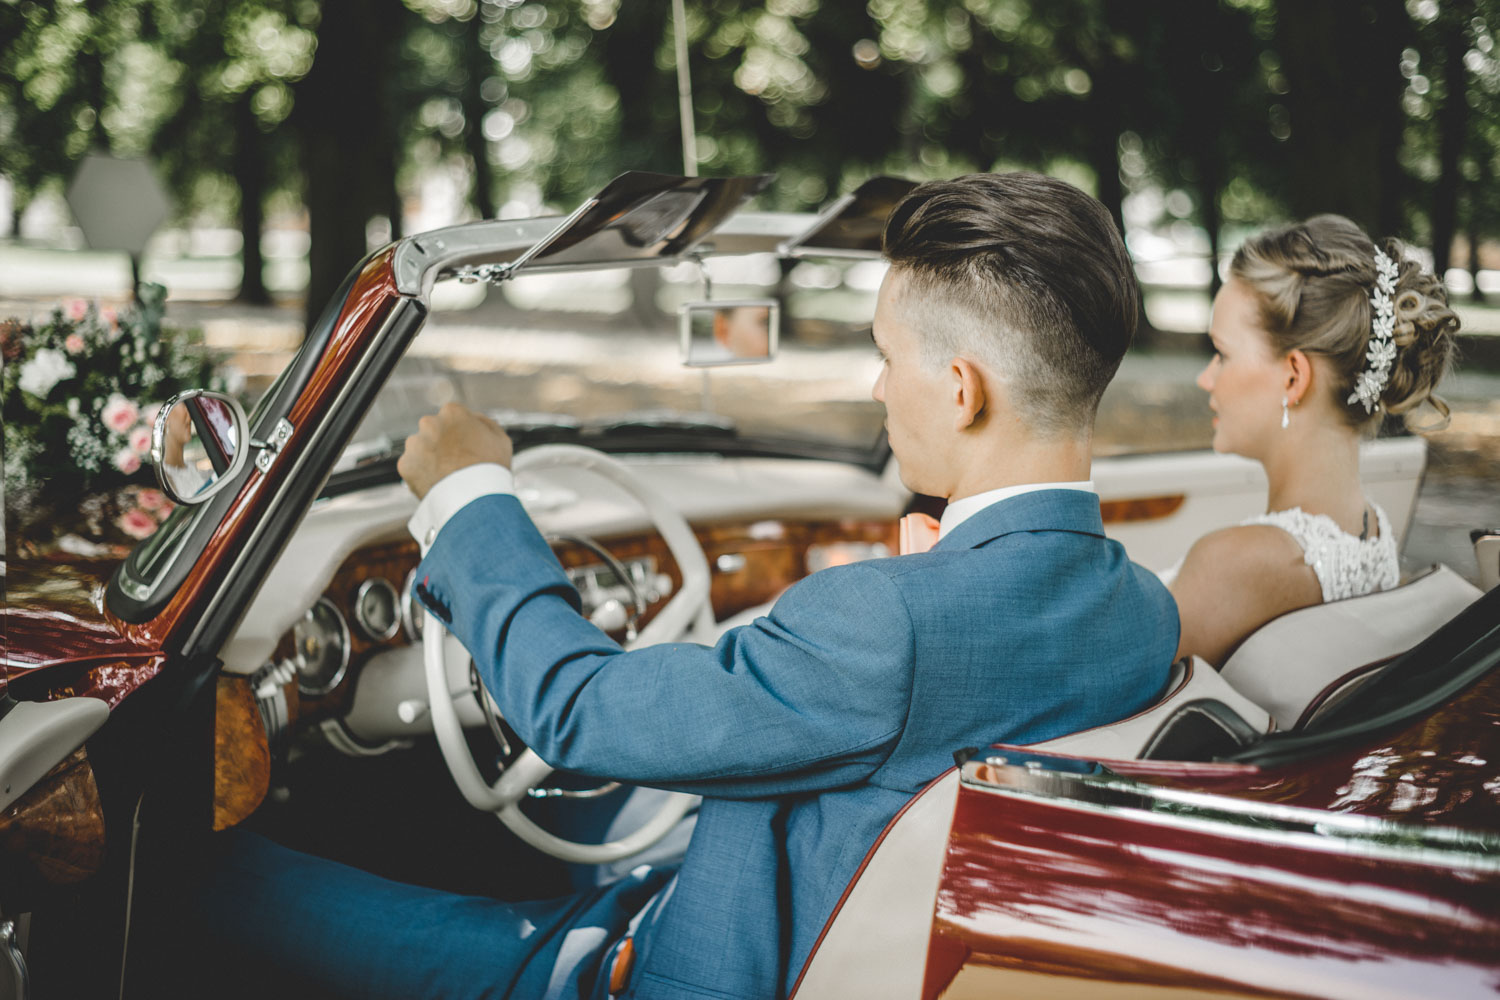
<point x="639" y="218"/>
<point x="852" y="225"/>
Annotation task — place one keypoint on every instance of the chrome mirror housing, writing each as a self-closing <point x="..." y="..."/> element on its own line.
<point x="729" y="332"/>
<point x="199" y="443"/>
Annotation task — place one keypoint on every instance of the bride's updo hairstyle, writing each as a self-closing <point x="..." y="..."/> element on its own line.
<point x="1314" y="281"/>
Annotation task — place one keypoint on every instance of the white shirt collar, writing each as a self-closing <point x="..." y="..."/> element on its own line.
<point x="959" y="511"/>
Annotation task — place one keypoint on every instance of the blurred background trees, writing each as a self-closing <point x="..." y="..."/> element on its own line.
<point x="350" y="114"/>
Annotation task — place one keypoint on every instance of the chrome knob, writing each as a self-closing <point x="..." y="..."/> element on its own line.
<point x="610" y="616"/>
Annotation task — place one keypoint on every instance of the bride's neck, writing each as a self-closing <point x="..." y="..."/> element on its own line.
<point x="1318" y="470"/>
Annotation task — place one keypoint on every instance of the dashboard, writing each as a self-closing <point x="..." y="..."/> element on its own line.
<point x="333" y="640"/>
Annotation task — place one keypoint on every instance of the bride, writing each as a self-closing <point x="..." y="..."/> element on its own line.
<point x="1316" y="335"/>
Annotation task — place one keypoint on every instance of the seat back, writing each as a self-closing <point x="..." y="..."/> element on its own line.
<point x="875" y="942"/>
<point x="1286" y="665"/>
<point x="874" y="945"/>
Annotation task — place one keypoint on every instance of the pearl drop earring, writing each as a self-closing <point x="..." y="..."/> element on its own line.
<point x="1285" y="415"/>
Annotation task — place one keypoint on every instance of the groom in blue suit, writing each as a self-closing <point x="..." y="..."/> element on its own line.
<point x="1008" y="305"/>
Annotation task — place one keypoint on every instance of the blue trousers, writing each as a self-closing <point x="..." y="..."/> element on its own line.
<point x="338" y="931"/>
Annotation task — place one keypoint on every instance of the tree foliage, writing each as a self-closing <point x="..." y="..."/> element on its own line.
<point x="1240" y="110"/>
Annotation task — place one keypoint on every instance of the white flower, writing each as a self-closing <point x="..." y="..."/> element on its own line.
<point x="45" y="369"/>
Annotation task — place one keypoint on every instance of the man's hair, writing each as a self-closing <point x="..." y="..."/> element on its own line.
<point x="1025" y="274"/>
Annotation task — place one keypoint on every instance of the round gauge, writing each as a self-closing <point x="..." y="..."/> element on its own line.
<point x="322" y="648"/>
<point x="413" y="614"/>
<point x="377" y="608"/>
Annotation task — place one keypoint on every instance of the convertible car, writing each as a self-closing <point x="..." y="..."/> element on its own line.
<point x="1320" y="818"/>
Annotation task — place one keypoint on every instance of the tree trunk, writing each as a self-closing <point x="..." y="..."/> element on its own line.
<point x="649" y="129"/>
<point x="1452" y="120"/>
<point x="1210" y="183"/>
<point x="341" y="116"/>
<point x="250" y="176"/>
<point x="1342" y="61"/>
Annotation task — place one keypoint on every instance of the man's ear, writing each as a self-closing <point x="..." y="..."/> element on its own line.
<point x="1299" y="376"/>
<point x="968" y="392"/>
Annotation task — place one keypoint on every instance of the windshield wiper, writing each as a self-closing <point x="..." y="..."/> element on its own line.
<point x="646" y="422"/>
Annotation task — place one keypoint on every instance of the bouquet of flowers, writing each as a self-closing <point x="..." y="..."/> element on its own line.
<point x="80" y="391"/>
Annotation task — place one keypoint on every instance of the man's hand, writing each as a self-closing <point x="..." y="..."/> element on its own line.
<point x="449" y="440"/>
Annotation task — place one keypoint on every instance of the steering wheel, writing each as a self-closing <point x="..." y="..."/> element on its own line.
<point x="689" y="608"/>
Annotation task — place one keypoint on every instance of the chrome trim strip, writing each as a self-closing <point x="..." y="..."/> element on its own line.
<point x="1021" y="775"/>
<point x="341" y="739"/>
<point x="237" y="566"/>
<point x="15" y="962"/>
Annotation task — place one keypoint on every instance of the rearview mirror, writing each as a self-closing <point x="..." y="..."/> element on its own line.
<point x="198" y="444"/>
<point x="729" y="332"/>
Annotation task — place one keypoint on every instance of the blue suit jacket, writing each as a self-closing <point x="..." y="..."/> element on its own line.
<point x="807" y="730"/>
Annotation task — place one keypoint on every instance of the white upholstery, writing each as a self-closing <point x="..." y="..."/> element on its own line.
<point x="1127" y="739"/>
<point x="1287" y="663"/>
<point x="1487" y="554"/>
<point x="875" y="945"/>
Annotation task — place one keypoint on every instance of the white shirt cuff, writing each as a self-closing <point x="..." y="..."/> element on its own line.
<point x="453" y="493"/>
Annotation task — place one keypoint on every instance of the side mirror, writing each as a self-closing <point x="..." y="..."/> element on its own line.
<point x="199" y="443"/>
<point x="729" y="332"/>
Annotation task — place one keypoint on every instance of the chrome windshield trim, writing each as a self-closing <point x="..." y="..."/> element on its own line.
<point x="398" y="312"/>
<point x="420" y="260"/>
<point x="1093" y="787"/>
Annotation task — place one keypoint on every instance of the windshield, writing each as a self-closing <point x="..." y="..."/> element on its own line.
<point x="597" y="353"/>
<point x="594" y="356"/>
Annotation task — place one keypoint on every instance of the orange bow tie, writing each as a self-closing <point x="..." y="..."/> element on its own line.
<point x="918" y="533"/>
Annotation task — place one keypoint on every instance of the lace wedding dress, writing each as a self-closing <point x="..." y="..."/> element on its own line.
<point x="1346" y="565"/>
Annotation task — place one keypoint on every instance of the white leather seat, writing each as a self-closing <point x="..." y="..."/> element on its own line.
<point x="875" y="943"/>
<point x="1292" y="663"/>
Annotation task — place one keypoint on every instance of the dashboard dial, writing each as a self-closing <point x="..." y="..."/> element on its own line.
<point x="322" y="648"/>
<point x="377" y="609"/>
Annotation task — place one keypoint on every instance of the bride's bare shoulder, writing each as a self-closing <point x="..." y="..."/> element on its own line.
<point x="1236" y="579"/>
<point x="1249" y="545"/>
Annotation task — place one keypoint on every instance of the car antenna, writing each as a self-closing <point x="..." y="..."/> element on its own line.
<point x="684" y="92"/>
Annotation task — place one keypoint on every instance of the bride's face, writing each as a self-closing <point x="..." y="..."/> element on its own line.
<point x="1245" y="381"/>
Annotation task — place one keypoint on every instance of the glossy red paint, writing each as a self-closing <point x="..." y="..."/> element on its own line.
<point x="1443" y="769"/>
<point x="369" y="302"/>
<point x="1037" y="888"/>
<point x="58" y="639"/>
<point x="54" y="654"/>
<point x="1036" y="892"/>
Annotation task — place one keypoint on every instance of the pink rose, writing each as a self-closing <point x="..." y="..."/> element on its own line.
<point x="77" y="309"/>
<point x="127" y="461"/>
<point x="152" y="500"/>
<point x="108" y="316"/>
<point x="74" y="343"/>
<point x="140" y="440"/>
<point x="136" y="523"/>
<point x="120" y="414"/>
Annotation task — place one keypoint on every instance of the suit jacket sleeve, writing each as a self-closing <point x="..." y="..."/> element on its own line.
<point x="812" y="696"/>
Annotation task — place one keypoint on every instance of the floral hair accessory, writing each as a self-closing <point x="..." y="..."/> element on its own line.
<point x="1382" y="347"/>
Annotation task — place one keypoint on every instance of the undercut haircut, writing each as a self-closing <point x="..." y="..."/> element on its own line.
<point x="1025" y="274"/>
